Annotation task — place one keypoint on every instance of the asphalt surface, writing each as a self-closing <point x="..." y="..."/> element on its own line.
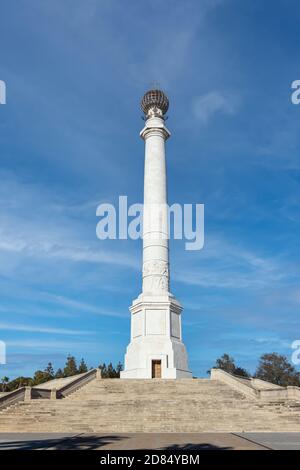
<point x="147" y="441"/>
<point x="275" y="440"/>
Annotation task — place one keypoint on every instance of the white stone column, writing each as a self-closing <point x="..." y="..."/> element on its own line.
<point x="155" y="220"/>
<point x="155" y="314"/>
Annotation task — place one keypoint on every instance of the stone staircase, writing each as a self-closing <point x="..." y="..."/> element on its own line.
<point x="157" y="405"/>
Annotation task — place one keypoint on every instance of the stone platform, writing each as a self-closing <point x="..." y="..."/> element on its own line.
<point x="152" y="406"/>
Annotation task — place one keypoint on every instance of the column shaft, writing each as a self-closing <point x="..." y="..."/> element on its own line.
<point x="155" y="227"/>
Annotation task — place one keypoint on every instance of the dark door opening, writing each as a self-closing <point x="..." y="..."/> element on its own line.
<point x="156" y="369"/>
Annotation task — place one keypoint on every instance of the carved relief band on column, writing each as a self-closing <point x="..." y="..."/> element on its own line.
<point x="156" y="275"/>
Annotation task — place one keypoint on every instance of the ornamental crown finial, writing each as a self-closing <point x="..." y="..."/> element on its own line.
<point x="155" y="103"/>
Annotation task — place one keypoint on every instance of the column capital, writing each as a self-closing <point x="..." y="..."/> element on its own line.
<point x="155" y="126"/>
<point x="150" y="131"/>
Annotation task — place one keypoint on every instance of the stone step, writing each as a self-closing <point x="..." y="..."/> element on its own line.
<point x="187" y="405"/>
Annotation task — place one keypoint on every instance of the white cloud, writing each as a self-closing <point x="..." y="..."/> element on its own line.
<point x="32" y="225"/>
<point x="40" y="329"/>
<point x="222" y="264"/>
<point x="82" y="306"/>
<point x="30" y="310"/>
<point x="52" y="345"/>
<point x="206" y="106"/>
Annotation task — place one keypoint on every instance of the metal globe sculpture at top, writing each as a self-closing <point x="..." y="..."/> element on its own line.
<point x="155" y="102"/>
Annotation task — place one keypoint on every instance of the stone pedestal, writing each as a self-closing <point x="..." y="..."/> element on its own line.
<point x="156" y="336"/>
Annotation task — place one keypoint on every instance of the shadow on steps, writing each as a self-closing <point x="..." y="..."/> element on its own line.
<point x="96" y="442"/>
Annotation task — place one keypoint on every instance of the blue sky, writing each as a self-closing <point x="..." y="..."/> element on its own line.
<point x="75" y="72"/>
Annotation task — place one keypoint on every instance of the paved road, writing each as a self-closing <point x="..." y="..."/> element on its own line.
<point x="275" y="440"/>
<point x="163" y="441"/>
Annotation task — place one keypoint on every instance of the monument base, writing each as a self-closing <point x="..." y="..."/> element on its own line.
<point x="156" y="349"/>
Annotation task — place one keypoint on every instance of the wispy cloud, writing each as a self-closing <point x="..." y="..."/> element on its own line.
<point x="48" y="233"/>
<point x="42" y="329"/>
<point x="30" y="310"/>
<point x="53" y="345"/>
<point x="222" y="264"/>
<point x="214" y="102"/>
<point x="82" y="306"/>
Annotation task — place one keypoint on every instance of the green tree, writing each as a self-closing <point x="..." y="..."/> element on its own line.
<point x="109" y="371"/>
<point x="70" y="367"/>
<point x="4" y="382"/>
<point x="276" y="369"/>
<point x="119" y="368"/>
<point x="82" y="367"/>
<point x="103" y="370"/>
<point x="50" y="371"/>
<point x="241" y="372"/>
<point x="19" y="382"/>
<point x="227" y="364"/>
<point x="40" y="376"/>
<point x="59" y="374"/>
